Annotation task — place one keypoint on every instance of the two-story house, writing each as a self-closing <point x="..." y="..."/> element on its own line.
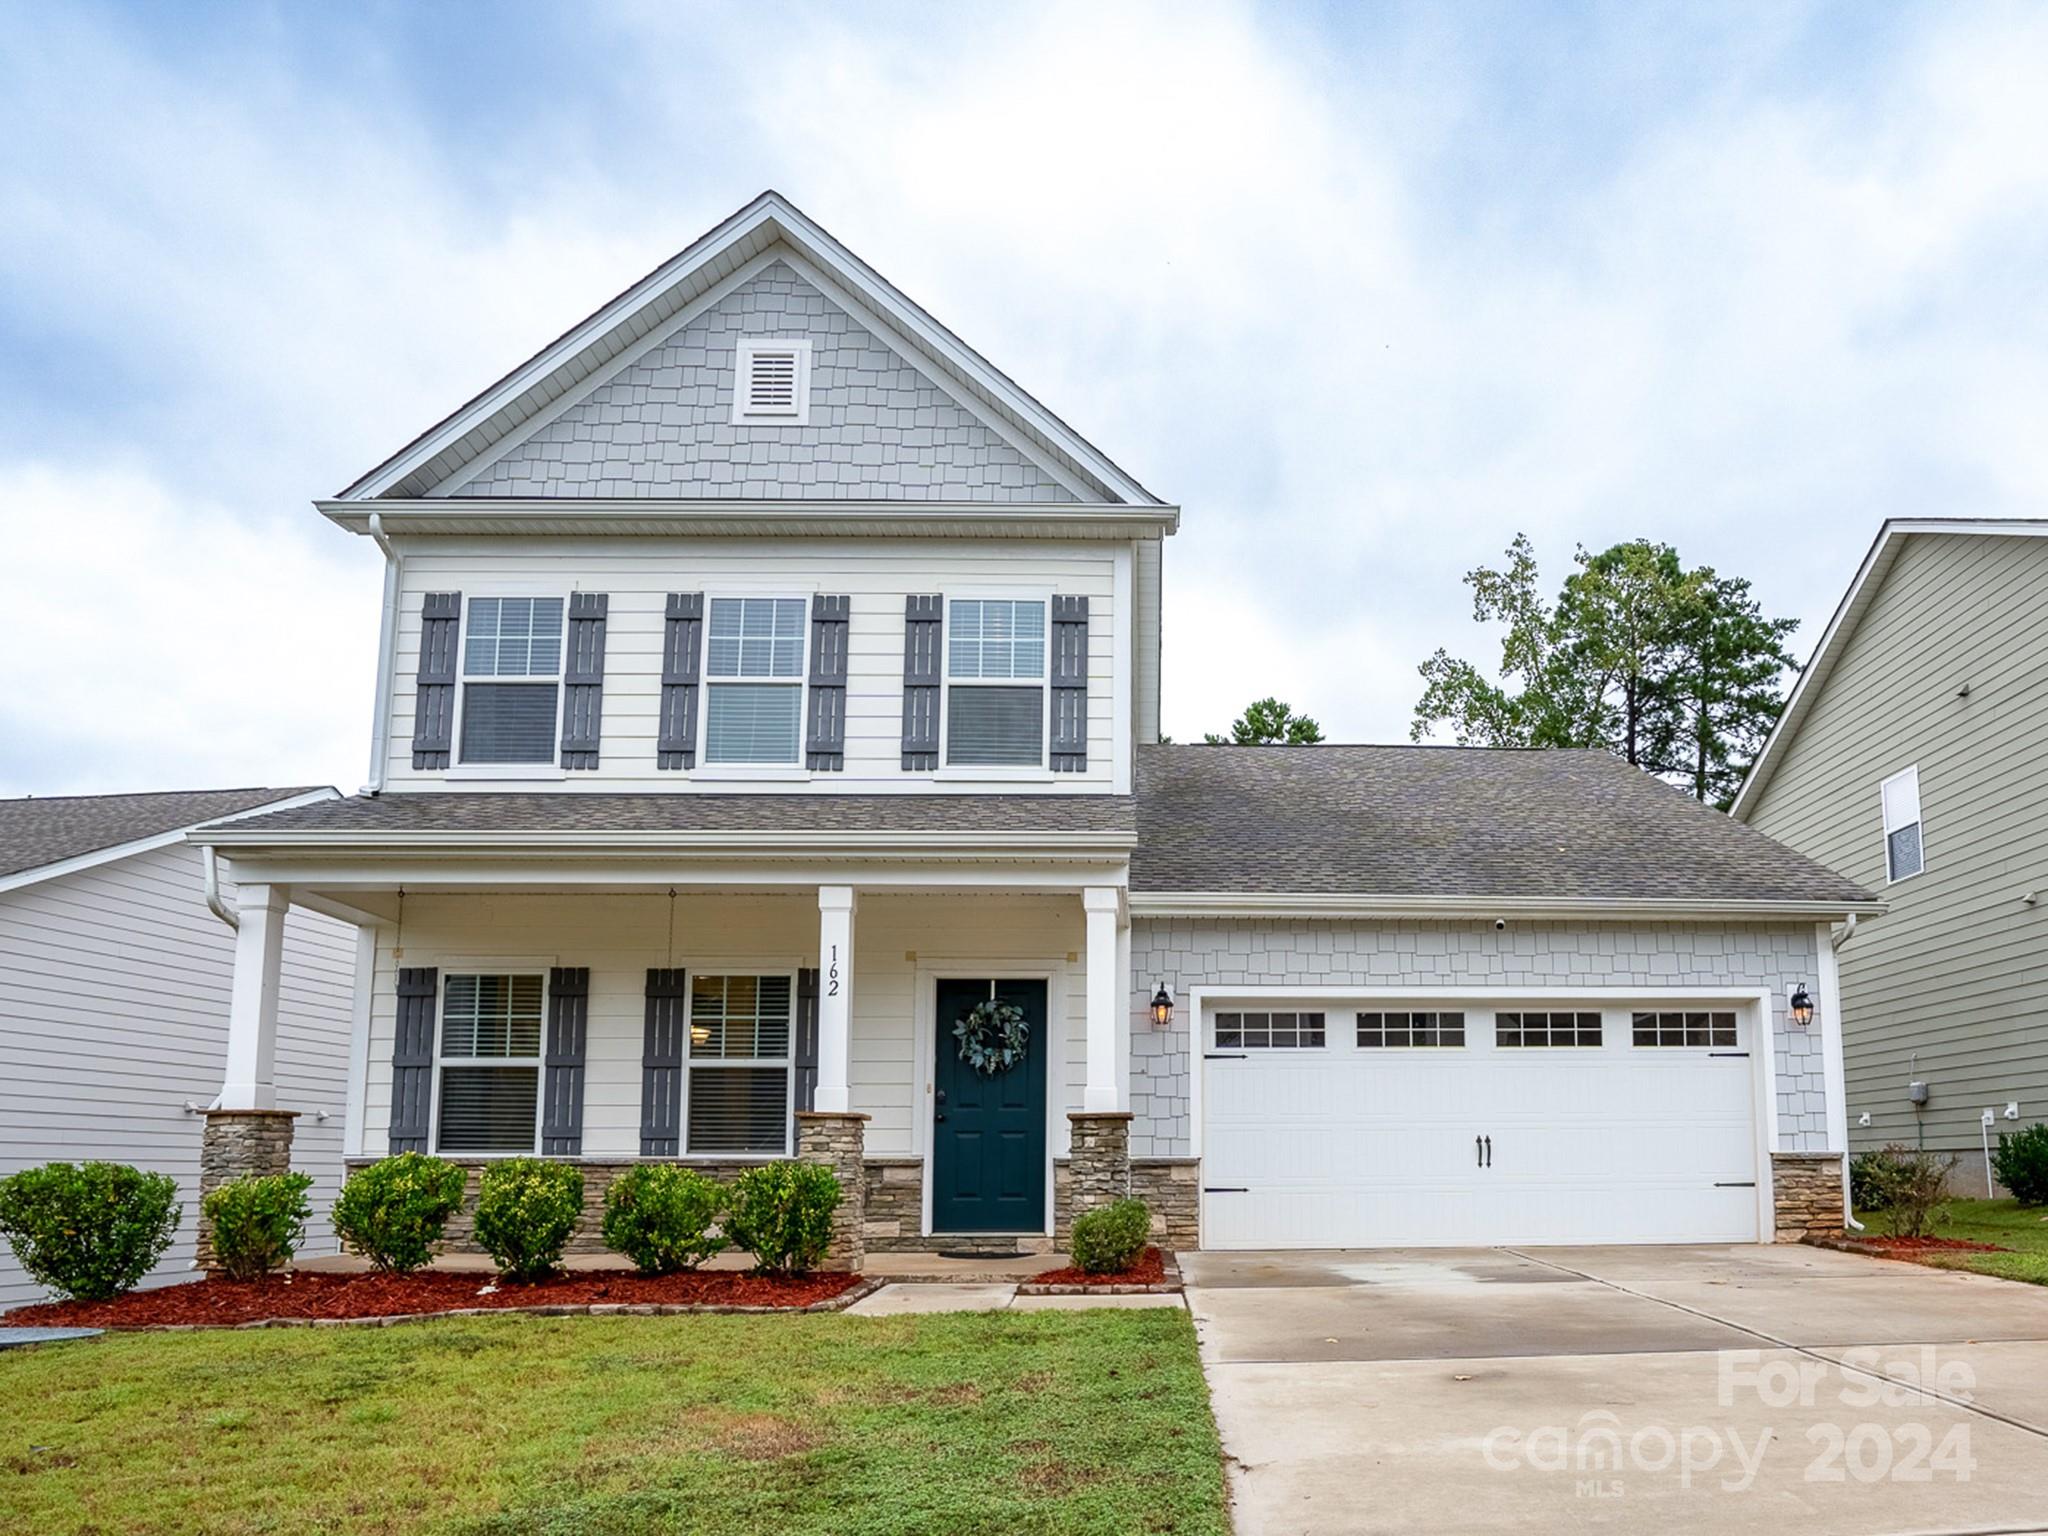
<point x="767" y="763"/>
<point x="1907" y="756"/>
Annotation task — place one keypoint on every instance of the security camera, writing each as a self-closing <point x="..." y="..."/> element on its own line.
<point x="1500" y="924"/>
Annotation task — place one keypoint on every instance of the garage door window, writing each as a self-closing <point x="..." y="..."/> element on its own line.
<point x="1546" y="1029"/>
<point x="1397" y="1030"/>
<point x="1269" y="1031"/>
<point x="1685" y="1029"/>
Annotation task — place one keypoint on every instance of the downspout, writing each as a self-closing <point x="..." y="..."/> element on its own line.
<point x="1836" y="940"/>
<point x="215" y="902"/>
<point x="387" y="640"/>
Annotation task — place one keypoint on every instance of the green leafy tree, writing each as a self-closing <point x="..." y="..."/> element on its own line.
<point x="1676" y="671"/>
<point x="1268" y="723"/>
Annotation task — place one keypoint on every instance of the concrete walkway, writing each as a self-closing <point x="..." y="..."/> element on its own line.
<point x="1702" y="1389"/>
<point x="896" y="1300"/>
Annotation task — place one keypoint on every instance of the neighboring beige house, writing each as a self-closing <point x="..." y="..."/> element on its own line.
<point x="114" y="983"/>
<point x="1911" y="758"/>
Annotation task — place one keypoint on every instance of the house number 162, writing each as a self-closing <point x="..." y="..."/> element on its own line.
<point x="832" y="974"/>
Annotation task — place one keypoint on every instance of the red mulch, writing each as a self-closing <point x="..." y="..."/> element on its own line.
<point x="1911" y="1245"/>
<point x="318" y="1293"/>
<point x="1150" y="1269"/>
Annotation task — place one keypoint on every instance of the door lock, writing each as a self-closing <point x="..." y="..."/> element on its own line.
<point x="940" y="1113"/>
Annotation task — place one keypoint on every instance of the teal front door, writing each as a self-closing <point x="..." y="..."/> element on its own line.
<point x="988" y="1132"/>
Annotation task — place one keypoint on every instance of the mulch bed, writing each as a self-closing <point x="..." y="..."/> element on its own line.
<point x="318" y="1296"/>
<point x="1912" y="1245"/>
<point x="1150" y="1269"/>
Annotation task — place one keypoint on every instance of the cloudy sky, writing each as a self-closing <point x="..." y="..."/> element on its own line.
<point x="1366" y="289"/>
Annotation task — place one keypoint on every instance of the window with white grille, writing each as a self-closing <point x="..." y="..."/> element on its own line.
<point x="995" y="675"/>
<point x="1903" y="854"/>
<point x="772" y="383"/>
<point x="503" y="721"/>
<point x="740" y="1029"/>
<point x="490" y="1063"/>
<point x="754" y="663"/>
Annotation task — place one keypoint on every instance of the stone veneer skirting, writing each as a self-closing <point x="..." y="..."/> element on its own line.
<point x="1806" y="1192"/>
<point x="236" y="1144"/>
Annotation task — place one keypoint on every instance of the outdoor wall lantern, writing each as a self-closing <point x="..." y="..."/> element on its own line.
<point x="1162" y="1008"/>
<point x="1802" y="1006"/>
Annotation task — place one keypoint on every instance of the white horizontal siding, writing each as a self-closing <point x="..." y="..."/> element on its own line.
<point x="114" y="988"/>
<point x="896" y="940"/>
<point x="878" y="574"/>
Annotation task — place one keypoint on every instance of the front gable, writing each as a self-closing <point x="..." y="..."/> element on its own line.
<point x="662" y="424"/>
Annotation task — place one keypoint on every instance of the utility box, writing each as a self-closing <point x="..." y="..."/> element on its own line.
<point x="1917" y="1091"/>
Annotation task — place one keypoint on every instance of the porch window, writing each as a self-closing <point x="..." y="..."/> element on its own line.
<point x="511" y="637"/>
<point x="754" y="661"/>
<point x="740" y="1031"/>
<point x="490" y="1063"/>
<point x="995" y="694"/>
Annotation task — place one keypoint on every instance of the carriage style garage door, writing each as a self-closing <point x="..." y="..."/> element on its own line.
<point x="1368" y="1124"/>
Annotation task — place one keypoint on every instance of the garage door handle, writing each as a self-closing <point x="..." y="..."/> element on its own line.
<point x="1735" y="1183"/>
<point x="1224" y="1189"/>
<point x="1223" y="1056"/>
<point x="1728" y="1053"/>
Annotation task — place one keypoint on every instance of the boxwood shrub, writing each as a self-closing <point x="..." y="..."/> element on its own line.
<point x="1111" y="1237"/>
<point x="89" y="1230"/>
<point x="526" y="1209"/>
<point x="781" y="1213"/>
<point x="393" y="1211"/>
<point x="258" y="1222"/>
<point x="2021" y="1163"/>
<point x="660" y="1216"/>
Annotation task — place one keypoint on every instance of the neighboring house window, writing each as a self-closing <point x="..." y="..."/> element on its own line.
<point x="995" y="694"/>
<point x="1395" y="1030"/>
<point x="504" y="721"/>
<point x="754" y="664"/>
<point x="1903" y="855"/>
<point x="772" y="384"/>
<point x="1268" y="1031"/>
<point x="1685" y="1029"/>
<point x="490" y="1063"/>
<point x="739" y="1063"/>
<point x="1546" y="1029"/>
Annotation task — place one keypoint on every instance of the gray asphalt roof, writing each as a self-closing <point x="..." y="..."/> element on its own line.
<point x="692" y="812"/>
<point x="46" y="829"/>
<point x="1447" y="821"/>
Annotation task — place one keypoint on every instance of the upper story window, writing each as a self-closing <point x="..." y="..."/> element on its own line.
<point x="511" y="638"/>
<point x="490" y="1063"/>
<point x="995" y="694"/>
<point x="772" y="383"/>
<point x="754" y="669"/>
<point x="1903" y="855"/>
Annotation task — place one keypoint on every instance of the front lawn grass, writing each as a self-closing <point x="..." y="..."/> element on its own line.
<point x="1066" y="1422"/>
<point x="2005" y="1222"/>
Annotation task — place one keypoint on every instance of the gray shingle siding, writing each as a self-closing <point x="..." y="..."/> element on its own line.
<point x="1188" y="953"/>
<point x="878" y="428"/>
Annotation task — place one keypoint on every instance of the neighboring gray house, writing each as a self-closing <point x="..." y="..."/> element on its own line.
<point x="114" y="983"/>
<point x="769" y="693"/>
<point x="1913" y="756"/>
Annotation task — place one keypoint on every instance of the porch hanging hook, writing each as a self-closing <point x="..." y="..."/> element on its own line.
<point x="671" y="928"/>
<point x="398" y="945"/>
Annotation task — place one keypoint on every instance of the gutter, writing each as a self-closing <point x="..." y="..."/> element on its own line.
<point x="1368" y="907"/>
<point x="1843" y="934"/>
<point x="215" y="902"/>
<point x="387" y="641"/>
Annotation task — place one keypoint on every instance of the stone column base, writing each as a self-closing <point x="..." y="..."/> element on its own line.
<point x="1098" y="1167"/>
<point x="839" y="1140"/>
<point x="1806" y="1193"/>
<point x="236" y="1144"/>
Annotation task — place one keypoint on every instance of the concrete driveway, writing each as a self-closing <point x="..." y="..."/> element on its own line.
<point x="1697" y="1389"/>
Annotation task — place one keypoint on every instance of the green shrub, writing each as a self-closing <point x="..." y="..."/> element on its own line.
<point x="258" y="1222"/>
<point x="2021" y="1163"/>
<point x="526" y="1208"/>
<point x="781" y="1213"/>
<point x="1111" y="1237"/>
<point x="1866" y="1182"/>
<point x="392" y="1212"/>
<point x="90" y="1230"/>
<point x="1909" y="1188"/>
<point x="660" y="1216"/>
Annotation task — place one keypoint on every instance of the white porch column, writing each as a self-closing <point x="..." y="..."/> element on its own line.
<point x="1103" y="905"/>
<point x="251" y="1078"/>
<point x="835" y="997"/>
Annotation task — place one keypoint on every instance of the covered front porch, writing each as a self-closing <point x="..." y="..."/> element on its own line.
<point x="721" y="1017"/>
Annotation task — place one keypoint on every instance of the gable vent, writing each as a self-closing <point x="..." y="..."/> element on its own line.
<point x="773" y="382"/>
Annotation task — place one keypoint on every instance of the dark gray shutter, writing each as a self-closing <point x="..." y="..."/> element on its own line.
<point x="825" y="751"/>
<point x="561" y="1115"/>
<point x="583" y="680"/>
<point x="1070" y="685"/>
<point x="412" y="1060"/>
<point x="923" y="657"/>
<point x="805" y="1047"/>
<point x="433" y="700"/>
<point x="682" y="646"/>
<point x="661" y="1067"/>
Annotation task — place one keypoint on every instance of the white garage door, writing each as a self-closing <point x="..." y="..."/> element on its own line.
<point x="1363" y="1125"/>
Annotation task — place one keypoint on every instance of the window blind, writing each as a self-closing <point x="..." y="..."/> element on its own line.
<point x="508" y="722"/>
<point x="739" y="1109"/>
<point x="995" y="725"/>
<point x="752" y="723"/>
<point x="489" y="1109"/>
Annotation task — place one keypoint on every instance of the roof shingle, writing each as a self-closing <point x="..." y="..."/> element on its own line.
<point x="42" y="829"/>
